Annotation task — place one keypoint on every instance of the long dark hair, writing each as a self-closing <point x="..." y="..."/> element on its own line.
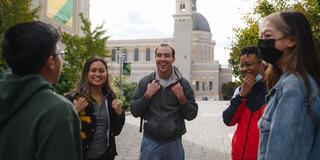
<point x="272" y="75"/>
<point x="83" y="86"/>
<point x="304" y="59"/>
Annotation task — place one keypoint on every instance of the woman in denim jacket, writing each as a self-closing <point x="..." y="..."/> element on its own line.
<point x="289" y="128"/>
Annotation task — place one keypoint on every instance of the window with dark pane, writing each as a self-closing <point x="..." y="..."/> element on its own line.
<point x="136" y="54"/>
<point x="113" y="55"/>
<point x="148" y="54"/>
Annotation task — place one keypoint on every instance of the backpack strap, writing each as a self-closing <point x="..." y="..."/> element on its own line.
<point x="141" y="123"/>
<point x="151" y="77"/>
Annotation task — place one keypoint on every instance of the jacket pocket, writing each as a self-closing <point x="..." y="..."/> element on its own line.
<point x="168" y="128"/>
<point x="161" y="129"/>
<point x="264" y="126"/>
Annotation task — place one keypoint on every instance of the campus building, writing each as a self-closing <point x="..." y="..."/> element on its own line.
<point x="192" y="40"/>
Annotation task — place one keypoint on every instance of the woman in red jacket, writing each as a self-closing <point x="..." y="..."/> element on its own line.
<point x="247" y="106"/>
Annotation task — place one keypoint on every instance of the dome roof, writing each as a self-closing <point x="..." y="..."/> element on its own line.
<point x="200" y="23"/>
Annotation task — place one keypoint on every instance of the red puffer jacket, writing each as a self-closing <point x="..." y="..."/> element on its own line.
<point x="245" y="112"/>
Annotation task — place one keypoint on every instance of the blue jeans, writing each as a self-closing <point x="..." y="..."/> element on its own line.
<point x="151" y="150"/>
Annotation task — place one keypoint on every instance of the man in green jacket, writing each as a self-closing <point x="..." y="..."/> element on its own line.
<point x="35" y="122"/>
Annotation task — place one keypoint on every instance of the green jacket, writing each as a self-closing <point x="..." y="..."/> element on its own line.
<point x="36" y="123"/>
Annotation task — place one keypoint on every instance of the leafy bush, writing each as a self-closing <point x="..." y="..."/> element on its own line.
<point x="228" y="89"/>
<point x="124" y="90"/>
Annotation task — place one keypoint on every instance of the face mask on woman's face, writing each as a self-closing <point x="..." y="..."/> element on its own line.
<point x="267" y="50"/>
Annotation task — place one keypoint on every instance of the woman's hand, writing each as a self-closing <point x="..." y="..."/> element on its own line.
<point x="80" y="103"/>
<point x="117" y="106"/>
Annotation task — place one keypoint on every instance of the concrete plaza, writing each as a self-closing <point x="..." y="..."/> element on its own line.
<point x="207" y="137"/>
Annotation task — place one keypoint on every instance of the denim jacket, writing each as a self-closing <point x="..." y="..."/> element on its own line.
<point x="288" y="129"/>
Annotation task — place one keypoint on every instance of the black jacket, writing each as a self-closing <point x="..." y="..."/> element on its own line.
<point x="163" y="115"/>
<point x="88" y="123"/>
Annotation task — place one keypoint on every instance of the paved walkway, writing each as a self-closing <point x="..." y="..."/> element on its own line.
<point x="207" y="137"/>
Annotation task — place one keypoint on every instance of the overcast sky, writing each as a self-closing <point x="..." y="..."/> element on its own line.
<point x="143" y="19"/>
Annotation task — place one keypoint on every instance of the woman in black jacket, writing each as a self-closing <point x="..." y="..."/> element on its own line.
<point x="100" y="111"/>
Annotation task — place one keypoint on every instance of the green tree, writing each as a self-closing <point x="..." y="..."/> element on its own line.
<point x="248" y="35"/>
<point x="243" y="37"/>
<point x="13" y="12"/>
<point x="311" y="9"/>
<point x="124" y="90"/>
<point x="227" y="89"/>
<point x="79" y="49"/>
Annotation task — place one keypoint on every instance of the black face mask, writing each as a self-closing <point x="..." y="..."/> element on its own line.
<point x="268" y="52"/>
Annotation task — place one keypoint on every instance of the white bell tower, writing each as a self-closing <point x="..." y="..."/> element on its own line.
<point x="182" y="37"/>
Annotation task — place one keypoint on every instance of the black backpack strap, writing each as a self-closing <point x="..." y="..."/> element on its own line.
<point x="141" y="123"/>
<point x="151" y="77"/>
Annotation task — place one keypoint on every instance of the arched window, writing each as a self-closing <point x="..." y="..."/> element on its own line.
<point x="210" y="85"/>
<point x="113" y="55"/>
<point x="182" y="7"/>
<point x="197" y="85"/>
<point x="148" y="54"/>
<point x="204" y="85"/>
<point x="136" y="54"/>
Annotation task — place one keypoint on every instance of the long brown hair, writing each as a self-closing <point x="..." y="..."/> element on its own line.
<point x="304" y="59"/>
<point x="83" y="86"/>
<point x="272" y="74"/>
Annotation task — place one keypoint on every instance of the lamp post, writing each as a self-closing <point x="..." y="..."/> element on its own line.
<point x="120" y="59"/>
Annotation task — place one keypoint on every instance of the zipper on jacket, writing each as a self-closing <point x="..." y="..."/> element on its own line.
<point x="247" y="134"/>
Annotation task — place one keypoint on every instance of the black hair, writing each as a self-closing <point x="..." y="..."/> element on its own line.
<point x="247" y="50"/>
<point x="26" y="46"/>
<point x="166" y="45"/>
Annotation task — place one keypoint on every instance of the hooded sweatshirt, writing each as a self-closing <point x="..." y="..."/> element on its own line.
<point x="35" y="122"/>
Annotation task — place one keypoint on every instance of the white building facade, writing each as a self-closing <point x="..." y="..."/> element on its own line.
<point x="192" y="41"/>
